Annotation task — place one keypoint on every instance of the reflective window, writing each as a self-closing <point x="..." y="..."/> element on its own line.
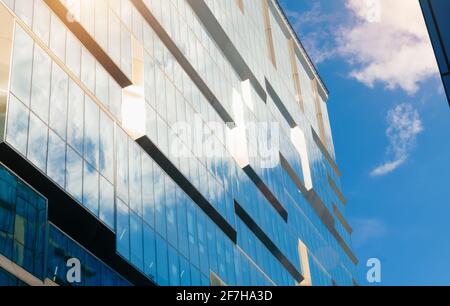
<point x="136" y="240"/>
<point x="23" y="219"/>
<point x="24" y="10"/>
<point x="91" y="132"/>
<point x="94" y="272"/>
<point x="183" y="240"/>
<point x="90" y="189"/>
<point x="75" y="117"/>
<point x="149" y="252"/>
<point x="160" y="206"/>
<point x="147" y="190"/>
<point x="174" y="270"/>
<point x="101" y="85"/>
<point x="58" y="37"/>
<point x="122" y="164"/>
<point x="160" y="92"/>
<point x="73" y="54"/>
<point x="40" y="92"/>
<point x="195" y="276"/>
<point x="88" y="69"/>
<point x="149" y="79"/>
<point x="37" y="142"/>
<point x="101" y="23"/>
<point x="74" y="174"/>
<point x="115" y="99"/>
<point x="126" y="51"/>
<point x="192" y="232"/>
<point x="185" y="272"/>
<point x="56" y="161"/>
<point x="106" y="213"/>
<point x="162" y="271"/>
<point x="106" y="158"/>
<point x="58" y="101"/>
<point x="22" y="65"/>
<point x="135" y="178"/>
<point x="41" y="21"/>
<point x="123" y="229"/>
<point x="150" y="124"/>
<point x="17" y="129"/>
<point x="202" y="242"/>
<point x="171" y="212"/>
<point x="114" y="38"/>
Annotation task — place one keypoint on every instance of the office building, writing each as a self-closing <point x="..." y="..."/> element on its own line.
<point x="437" y="18"/>
<point x="157" y="142"/>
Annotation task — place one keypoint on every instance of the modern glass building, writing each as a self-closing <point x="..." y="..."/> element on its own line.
<point x="437" y="18"/>
<point x="165" y="142"/>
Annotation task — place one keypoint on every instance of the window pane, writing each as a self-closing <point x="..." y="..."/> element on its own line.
<point x="212" y="250"/>
<point x="58" y="37"/>
<point x="106" y="202"/>
<point x="182" y="223"/>
<point x="75" y="117"/>
<point x="17" y="130"/>
<point x="88" y="70"/>
<point x="37" y="142"/>
<point x="24" y="10"/>
<point x="136" y="239"/>
<point x="114" y="38"/>
<point x="22" y="66"/>
<point x="73" y="55"/>
<point x="202" y="242"/>
<point x="147" y="190"/>
<point x="123" y="229"/>
<point x="126" y="54"/>
<point x="115" y="99"/>
<point x="91" y="132"/>
<point x="160" y="205"/>
<point x="162" y="275"/>
<point x="90" y="188"/>
<point x="192" y="232"/>
<point x="135" y="178"/>
<point x="174" y="274"/>
<point x="74" y="174"/>
<point x="149" y="252"/>
<point x="195" y="276"/>
<point x="40" y="92"/>
<point x="56" y="164"/>
<point x="122" y="165"/>
<point x="185" y="273"/>
<point x="58" y="103"/>
<point x="106" y="159"/>
<point x="41" y="21"/>
<point x="101" y="23"/>
<point x="171" y="215"/>
<point x="101" y="85"/>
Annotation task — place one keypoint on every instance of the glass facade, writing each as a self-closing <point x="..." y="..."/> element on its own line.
<point x="23" y="215"/>
<point x="140" y="128"/>
<point x="436" y="18"/>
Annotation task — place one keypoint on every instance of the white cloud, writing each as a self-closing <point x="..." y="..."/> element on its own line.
<point x="313" y="22"/>
<point x="387" y="42"/>
<point x="404" y="124"/>
<point x="384" y="41"/>
<point x="387" y="167"/>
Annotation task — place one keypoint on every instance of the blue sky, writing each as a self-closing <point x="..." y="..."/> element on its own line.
<point x="391" y="125"/>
